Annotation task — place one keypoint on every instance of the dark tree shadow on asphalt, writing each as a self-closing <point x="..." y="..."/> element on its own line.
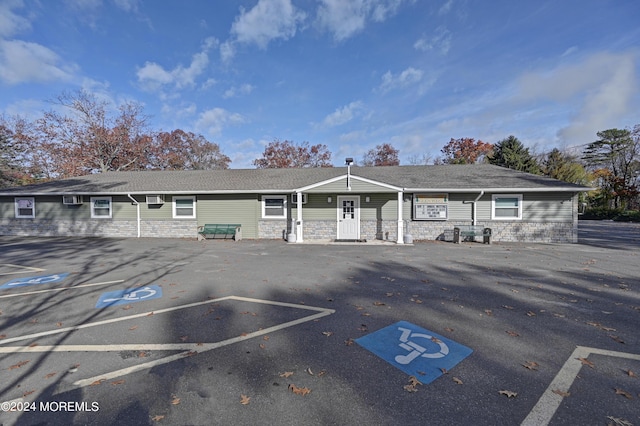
<point x="508" y="309"/>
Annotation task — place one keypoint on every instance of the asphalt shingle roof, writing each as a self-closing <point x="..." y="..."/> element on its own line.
<point x="434" y="177"/>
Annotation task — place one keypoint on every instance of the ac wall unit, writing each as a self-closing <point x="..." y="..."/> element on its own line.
<point x="72" y="200"/>
<point x="155" y="199"/>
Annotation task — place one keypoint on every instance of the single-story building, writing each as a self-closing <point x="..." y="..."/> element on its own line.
<point x="344" y="203"/>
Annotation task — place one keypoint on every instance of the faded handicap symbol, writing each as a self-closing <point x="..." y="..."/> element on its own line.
<point x="414" y="350"/>
<point x="121" y="297"/>
<point x="41" y="279"/>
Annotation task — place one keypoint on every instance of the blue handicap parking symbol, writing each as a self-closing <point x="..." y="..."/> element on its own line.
<point x="414" y="350"/>
<point x="42" y="279"/>
<point x="122" y="297"/>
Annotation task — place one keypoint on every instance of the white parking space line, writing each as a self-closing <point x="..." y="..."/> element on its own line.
<point x="549" y="402"/>
<point x="187" y="349"/>
<point x="28" y="293"/>
<point x="27" y="269"/>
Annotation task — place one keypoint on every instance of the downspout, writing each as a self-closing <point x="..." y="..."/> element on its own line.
<point x="474" y="211"/>
<point x="137" y="211"/>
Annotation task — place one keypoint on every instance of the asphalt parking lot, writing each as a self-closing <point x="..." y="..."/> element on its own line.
<point x="160" y="331"/>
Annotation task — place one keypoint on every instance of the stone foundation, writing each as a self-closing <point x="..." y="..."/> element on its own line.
<point x="99" y="228"/>
<point x="273" y="229"/>
<point x="502" y="231"/>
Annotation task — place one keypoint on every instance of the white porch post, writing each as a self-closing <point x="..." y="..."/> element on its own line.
<point x="299" y="226"/>
<point x="400" y="221"/>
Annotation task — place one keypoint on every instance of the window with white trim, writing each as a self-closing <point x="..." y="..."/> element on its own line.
<point x="25" y="207"/>
<point x="506" y="207"/>
<point x="274" y="206"/>
<point x="184" y="207"/>
<point x="101" y="207"/>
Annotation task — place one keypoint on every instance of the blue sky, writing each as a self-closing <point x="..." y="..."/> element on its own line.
<point x="350" y="74"/>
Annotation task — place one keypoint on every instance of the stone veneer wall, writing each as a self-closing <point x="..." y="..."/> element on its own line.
<point x="502" y="231"/>
<point x="369" y="229"/>
<point x="99" y="228"/>
<point x="272" y="229"/>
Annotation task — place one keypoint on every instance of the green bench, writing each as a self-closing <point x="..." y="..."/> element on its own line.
<point x="471" y="231"/>
<point x="219" y="230"/>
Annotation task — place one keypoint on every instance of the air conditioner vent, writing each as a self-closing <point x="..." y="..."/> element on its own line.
<point x="155" y="199"/>
<point x="72" y="200"/>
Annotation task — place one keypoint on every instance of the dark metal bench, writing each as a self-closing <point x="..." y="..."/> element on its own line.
<point x="219" y="230"/>
<point x="470" y="232"/>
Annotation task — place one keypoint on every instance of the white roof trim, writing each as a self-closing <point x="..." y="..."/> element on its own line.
<point x="354" y="177"/>
<point x="499" y="190"/>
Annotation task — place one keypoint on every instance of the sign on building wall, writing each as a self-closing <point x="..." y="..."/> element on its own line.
<point x="430" y="206"/>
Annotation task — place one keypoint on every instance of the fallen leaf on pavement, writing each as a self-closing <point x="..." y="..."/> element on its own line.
<point x="299" y="391"/>
<point x="175" y="400"/>
<point x="97" y="382"/>
<point x="327" y="333"/>
<point x="617" y="421"/>
<point x="157" y="418"/>
<point x="18" y="365"/>
<point x="585" y="361"/>
<point x="623" y="393"/>
<point x="458" y="381"/>
<point x="509" y="394"/>
<point x="133" y="327"/>
<point x="286" y="374"/>
<point x="531" y="365"/>
<point x="561" y="393"/>
<point x="630" y="373"/>
<point x="512" y="333"/>
<point x="118" y="382"/>
<point x="244" y="399"/>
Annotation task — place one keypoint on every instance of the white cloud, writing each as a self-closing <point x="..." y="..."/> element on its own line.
<point x="22" y="62"/>
<point x="600" y="88"/>
<point x="346" y="18"/>
<point x="127" y="5"/>
<point x="153" y="76"/>
<point x="441" y="41"/>
<point x="11" y="23"/>
<point x="343" y="115"/>
<point x="234" y="91"/>
<point x="266" y="21"/>
<point x="214" y="120"/>
<point x="445" y="8"/>
<point x="406" y="78"/>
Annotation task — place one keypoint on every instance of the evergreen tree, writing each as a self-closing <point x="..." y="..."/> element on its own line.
<point x="511" y="153"/>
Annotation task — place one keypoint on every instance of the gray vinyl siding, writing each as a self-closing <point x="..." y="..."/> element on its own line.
<point x="51" y="208"/>
<point x="245" y="209"/>
<point x="317" y="207"/>
<point x="547" y="207"/>
<point x="380" y="207"/>
<point x="536" y="207"/>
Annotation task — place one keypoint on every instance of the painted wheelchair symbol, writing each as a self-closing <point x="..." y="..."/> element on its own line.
<point x="132" y="296"/>
<point x="417" y="350"/>
<point x="43" y="279"/>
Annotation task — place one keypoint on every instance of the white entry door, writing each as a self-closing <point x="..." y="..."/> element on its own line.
<point x="348" y="217"/>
